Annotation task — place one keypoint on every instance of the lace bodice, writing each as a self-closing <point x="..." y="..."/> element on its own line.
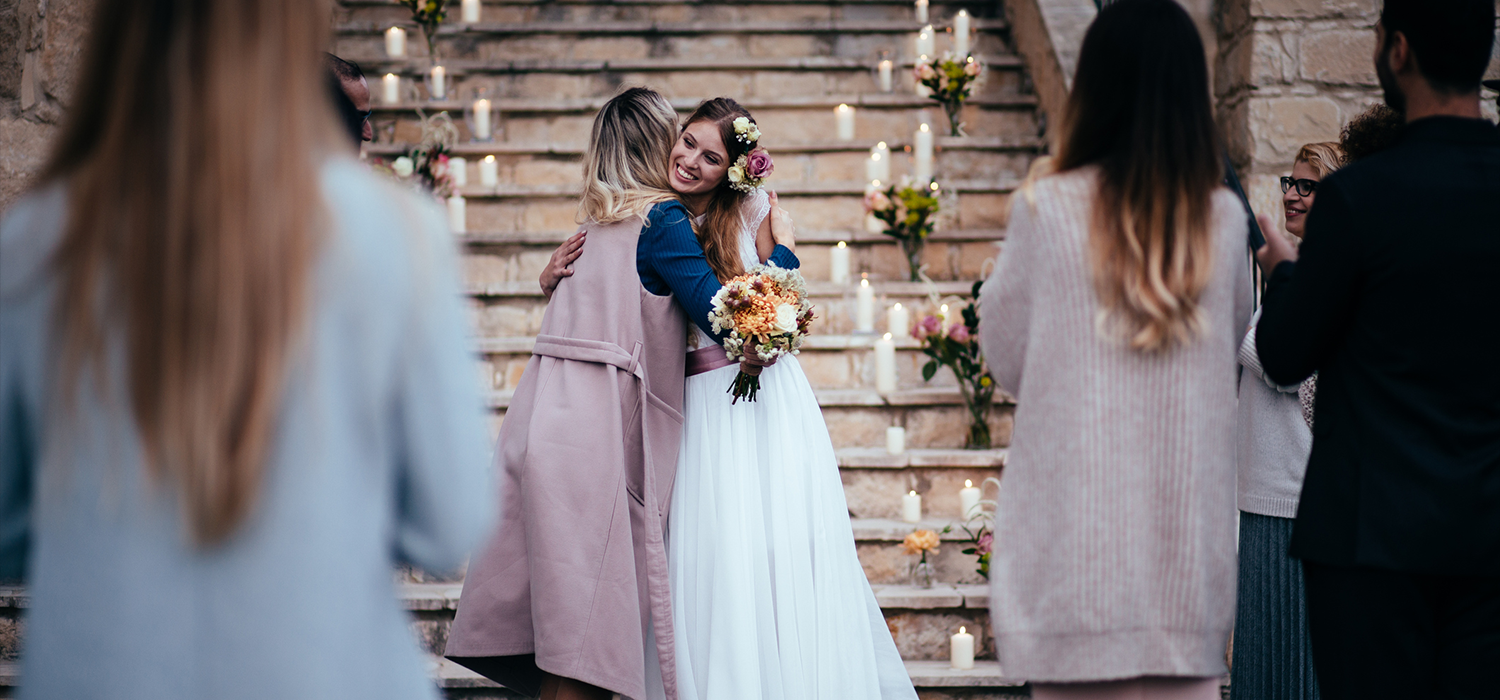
<point x="754" y="210"/>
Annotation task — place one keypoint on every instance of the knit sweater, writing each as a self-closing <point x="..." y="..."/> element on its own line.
<point x="1115" y="532"/>
<point x="1274" y="440"/>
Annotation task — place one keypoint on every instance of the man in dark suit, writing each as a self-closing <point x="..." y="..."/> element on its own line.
<point x="1394" y="299"/>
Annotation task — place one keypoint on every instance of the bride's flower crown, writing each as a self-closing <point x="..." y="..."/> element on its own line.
<point x="752" y="168"/>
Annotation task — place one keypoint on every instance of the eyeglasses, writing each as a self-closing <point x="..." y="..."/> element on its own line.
<point x="1304" y="186"/>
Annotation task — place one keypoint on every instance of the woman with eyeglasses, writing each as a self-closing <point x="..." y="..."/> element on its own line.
<point x="1272" y="658"/>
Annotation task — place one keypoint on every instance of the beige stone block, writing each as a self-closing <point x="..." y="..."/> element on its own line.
<point x="610" y="48"/>
<point x="815" y="265"/>
<point x="983" y="210"/>
<point x="1273" y="59"/>
<point x="493" y="215"/>
<point x="784" y="45"/>
<point x="825" y="213"/>
<point x="828" y="370"/>
<point x="840" y="167"/>
<point x="975" y="260"/>
<point x="513" y="371"/>
<point x="1281" y="125"/>
<point x="886" y="562"/>
<point x="1314" y="8"/>
<point x="782" y="84"/>
<point x="948" y="426"/>
<point x="706" y="45"/>
<point x="857" y="427"/>
<point x="544" y="171"/>
<point x="925" y="635"/>
<point x="701" y="85"/>
<point x="484" y="273"/>
<point x="24" y="146"/>
<point x="1342" y="57"/>
<point x="550" y="215"/>
<point x="876" y="493"/>
<point x="506" y="319"/>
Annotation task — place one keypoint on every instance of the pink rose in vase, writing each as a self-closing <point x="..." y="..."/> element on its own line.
<point x="877" y="201"/>
<point x="985" y="543"/>
<point x="925" y="72"/>
<point x="759" y="164"/>
<point x="959" y="334"/>
<point x="972" y="69"/>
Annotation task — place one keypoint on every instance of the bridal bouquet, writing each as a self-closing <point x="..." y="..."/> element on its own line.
<point x="767" y="313"/>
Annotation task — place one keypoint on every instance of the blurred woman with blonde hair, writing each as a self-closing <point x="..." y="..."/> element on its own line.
<point x="1112" y="317"/>
<point x="235" y="390"/>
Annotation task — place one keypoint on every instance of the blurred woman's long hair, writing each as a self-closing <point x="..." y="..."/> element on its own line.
<point x="191" y="160"/>
<point x="625" y="167"/>
<point x="1140" y="111"/>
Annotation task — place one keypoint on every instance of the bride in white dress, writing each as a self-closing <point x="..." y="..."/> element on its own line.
<point x="769" y="598"/>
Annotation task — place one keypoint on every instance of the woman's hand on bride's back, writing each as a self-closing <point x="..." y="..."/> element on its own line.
<point x="558" y="267"/>
<point x="783" y="231"/>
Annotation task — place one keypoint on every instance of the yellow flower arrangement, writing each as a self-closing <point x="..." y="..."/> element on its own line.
<point x="921" y="542"/>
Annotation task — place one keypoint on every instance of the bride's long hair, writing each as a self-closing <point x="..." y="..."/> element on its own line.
<point x="720" y="230"/>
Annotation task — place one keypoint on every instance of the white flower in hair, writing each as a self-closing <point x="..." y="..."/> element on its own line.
<point x="746" y="131"/>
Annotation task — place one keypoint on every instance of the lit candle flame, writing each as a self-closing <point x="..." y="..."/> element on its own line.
<point x="968" y="484"/>
<point x="961" y="630"/>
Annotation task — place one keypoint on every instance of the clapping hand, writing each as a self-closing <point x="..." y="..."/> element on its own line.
<point x="558" y="267"/>
<point x="1277" y="248"/>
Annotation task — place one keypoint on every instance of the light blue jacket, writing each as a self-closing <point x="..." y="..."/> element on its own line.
<point x="379" y="457"/>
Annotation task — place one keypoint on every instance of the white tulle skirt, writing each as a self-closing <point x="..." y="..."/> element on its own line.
<point x="768" y="596"/>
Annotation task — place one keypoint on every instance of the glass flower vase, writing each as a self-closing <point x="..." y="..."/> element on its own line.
<point x="922" y="573"/>
<point x="912" y="247"/>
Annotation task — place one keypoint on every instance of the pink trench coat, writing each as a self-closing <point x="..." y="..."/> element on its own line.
<point x="574" y="579"/>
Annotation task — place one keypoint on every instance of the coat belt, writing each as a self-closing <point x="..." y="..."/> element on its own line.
<point x="600" y="351"/>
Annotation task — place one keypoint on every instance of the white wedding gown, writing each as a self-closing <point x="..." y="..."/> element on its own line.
<point x="769" y="599"/>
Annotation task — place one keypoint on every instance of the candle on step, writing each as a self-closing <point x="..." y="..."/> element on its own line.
<point x="844" y="115"/>
<point x="885" y="364"/>
<point x="962" y="651"/>
<point x="897" y="321"/>
<point x="961" y="34"/>
<point x="968" y="499"/>
<point x="457" y="214"/>
<point x="886" y="85"/>
<point x="926" y="42"/>
<point x="439" y="85"/>
<point x="395" y="42"/>
<point x="489" y="175"/>
<point x="922" y="154"/>
<point x="459" y="168"/>
<point x="482" y="119"/>
<point x="922" y="11"/>
<point x="390" y="88"/>
<point x="838" y="264"/>
<point x="895" y="440"/>
<point x="471" y="11"/>
<point x="911" y="507"/>
<point x="879" y="167"/>
<point x="864" y="306"/>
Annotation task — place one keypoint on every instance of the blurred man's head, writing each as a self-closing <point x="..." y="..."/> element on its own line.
<point x="351" y="96"/>
<point x="1440" y="45"/>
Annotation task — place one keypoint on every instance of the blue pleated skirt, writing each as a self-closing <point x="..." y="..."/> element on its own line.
<point x="1272" y="653"/>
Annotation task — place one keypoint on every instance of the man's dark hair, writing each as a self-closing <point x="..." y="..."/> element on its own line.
<point x="339" y="71"/>
<point x="1451" y="39"/>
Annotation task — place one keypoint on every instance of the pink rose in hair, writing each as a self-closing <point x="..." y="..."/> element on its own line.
<point x="759" y="164"/>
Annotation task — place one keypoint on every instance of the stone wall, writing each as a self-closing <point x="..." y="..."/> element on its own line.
<point x="41" y="46"/>
<point x="1291" y="72"/>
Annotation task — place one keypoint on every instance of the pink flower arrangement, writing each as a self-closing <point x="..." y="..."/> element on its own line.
<point x="759" y="165"/>
<point x="876" y="201"/>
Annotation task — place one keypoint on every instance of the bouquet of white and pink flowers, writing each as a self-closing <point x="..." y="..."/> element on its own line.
<point x="767" y="314"/>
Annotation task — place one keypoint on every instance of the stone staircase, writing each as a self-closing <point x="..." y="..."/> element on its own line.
<point x="549" y="65"/>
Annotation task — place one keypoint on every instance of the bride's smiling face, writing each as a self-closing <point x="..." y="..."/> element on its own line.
<point x="699" y="161"/>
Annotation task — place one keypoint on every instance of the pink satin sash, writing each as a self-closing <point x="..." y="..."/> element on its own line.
<point x="706" y="360"/>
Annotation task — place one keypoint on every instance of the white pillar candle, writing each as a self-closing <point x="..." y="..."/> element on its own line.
<point x="471" y="11"/>
<point x="968" y="499"/>
<point x="886" y="85"/>
<point x="844" y="116"/>
<point x="926" y="42"/>
<point x="962" y="652"/>
<point x="489" y="174"/>
<point x="911" y="507"/>
<point x="439" y="83"/>
<point x="961" y="34"/>
<point x="395" y="42"/>
<point x="864" y="307"/>
<point x="885" y="364"/>
<point x="878" y="167"/>
<point x="459" y="168"/>
<point x="922" y="154"/>
<point x="838" y="264"/>
<point x="922" y="11"/>
<point x="482" y="119"/>
<point x="390" y="88"/>
<point x="457" y="214"/>
<point x="895" y="440"/>
<point x="897" y="321"/>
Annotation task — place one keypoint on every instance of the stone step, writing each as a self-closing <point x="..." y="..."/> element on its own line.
<point x="854" y="237"/>
<point x="626" y="27"/>
<point x="384" y="13"/>
<point x="921" y="620"/>
<point x="786" y="121"/>
<point x="796" y="166"/>
<point x="475" y="150"/>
